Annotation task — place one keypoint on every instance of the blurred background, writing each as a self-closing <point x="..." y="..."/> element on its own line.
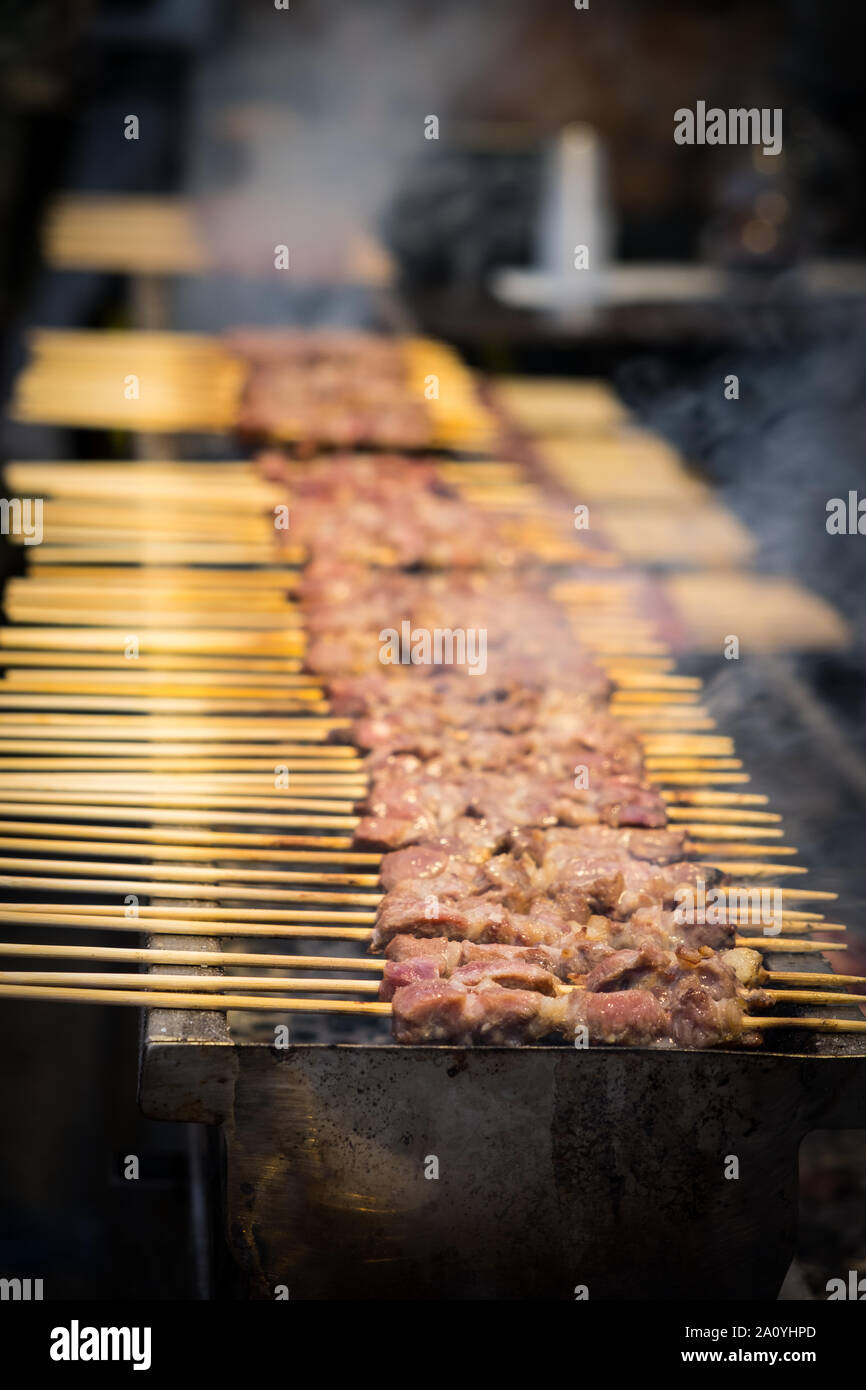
<point x="416" y="160"/>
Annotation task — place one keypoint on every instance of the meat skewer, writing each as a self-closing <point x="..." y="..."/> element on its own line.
<point x="151" y="955"/>
<point x="648" y="1025"/>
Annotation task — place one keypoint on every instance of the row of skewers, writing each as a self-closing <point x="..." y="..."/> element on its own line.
<point x="541" y="701"/>
<point x="535" y="816"/>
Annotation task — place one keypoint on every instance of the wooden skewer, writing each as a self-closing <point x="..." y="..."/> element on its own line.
<point x="812" y="1025"/>
<point x="224" y="642"/>
<point x="713" y="798"/>
<point x="248" y="922"/>
<point x="81" y="845"/>
<point x="306" y="925"/>
<point x="736" y="847"/>
<point x="192" y="731"/>
<point x="329" y="783"/>
<point x="745" y="918"/>
<point x="288" y="668"/>
<point x="102" y="809"/>
<point x="166" y="686"/>
<point x="162" y="956"/>
<point x="793" y="928"/>
<point x="177" y="759"/>
<point x="751" y="869"/>
<point x="700" y="830"/>
<point x="204" y="854"/>
<point x="145" y="616"/>
<point x="151" y="955"/>
<point x="300" y="728"/>
<point x="213" y="983"/>
<point x="291" y="984"/>
<point x="654" y="680"/>
<point x="227" y="889"/>
<point x="89" y="870"/>
<point x="698" y="779"/>
<point x="161" y="815"/>
<point x="154" y="955"/>
<point x="276" y="876"/>
<point x="695" y="815"/>
<point x="182" y="872"/>
<point x="245" y="794"/>
<point x="146" y="998"/>
<point x="625" y="697"/>
<point x="807" y="996"/>
<point x="779" y="943"/>
<point x="141" y="799"/>
<point x="277" y="845"/>
<point x="692" y="764"/>
<point x="809" y="977"/>
<point x="794" y="894"/>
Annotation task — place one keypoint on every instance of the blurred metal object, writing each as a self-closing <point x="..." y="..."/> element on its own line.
<point x="574" y="232"/>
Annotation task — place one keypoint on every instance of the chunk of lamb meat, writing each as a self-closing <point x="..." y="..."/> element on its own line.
<point x="469" y="843"/>
<point x="449" y="955"/>
<point x="471" y="919"/>
<point x="511" y="973"/>
<point x="700" y="1020"/>
<point x="445" y="1011"/>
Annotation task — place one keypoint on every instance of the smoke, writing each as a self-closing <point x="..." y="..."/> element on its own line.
<point x="791" y="442"/>
<point x="304" y="127"/>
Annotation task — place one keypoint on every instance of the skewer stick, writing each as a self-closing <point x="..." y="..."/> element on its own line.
<point x="286" y="667"/>
<point x="812" y="1025"/>
<point x="707" y="847"/>
<point x="306" y="926"/>
<point x="699" y="830"/>
<point x="206" y="794"/>
<point x="196" y="853"/>
<point x="809" y="977"/>
<point x="210" y="913"/>
<point x="316" y="728"/>
<point x="178" y="779"/>
<point x="147" y="999"/>
<point x="200" y="641"/>
<point x="712" y="798"/>
<point x="815" y="996"/>
<point x="290" y="984"/>
<point x="780" y="943"/>
<point x="228" y="770"/>
<point x="194" y="729"/>
<point x="228" y="889"/>
<point x="214" y="983"/>
<point x="698" y="779"/>
<point x="153" y="955"/>
<point x="794" y="894"/>
<point x="248" y="922"/>
<point x="163" y="815"/>
<point x="671" y="763"/>
<point x="278" y="845"/>
<point x="182" y="871"/>
<point x="751" y="869"/>
<point x="694" y="815"/>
